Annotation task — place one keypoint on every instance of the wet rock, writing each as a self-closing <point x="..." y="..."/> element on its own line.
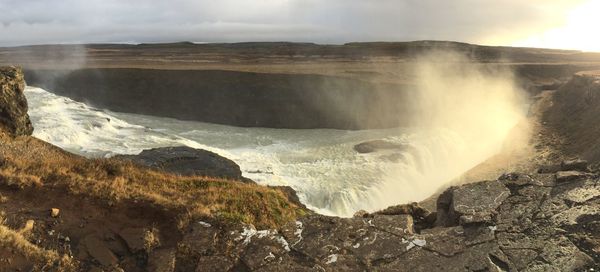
<point x="574" y="165"/>
<point x="13" y="104"/>
<point x="376" y="145"/>
<point x="188" y="161"/>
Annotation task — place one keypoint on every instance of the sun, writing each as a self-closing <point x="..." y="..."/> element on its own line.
<point x="581" y="31"/>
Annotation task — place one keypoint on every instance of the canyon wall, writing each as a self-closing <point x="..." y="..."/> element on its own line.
<point x="235" y="98"/>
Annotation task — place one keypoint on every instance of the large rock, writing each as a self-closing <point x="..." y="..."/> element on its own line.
<point x="188" y="161"/>
<point x="98" y="250"/>
<point x="471" y="203"/>
<point x="376" y="145"/>
<point x="13" y="105"/>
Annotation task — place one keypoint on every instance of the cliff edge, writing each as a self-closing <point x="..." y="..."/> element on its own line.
<point x="13" y="104"/>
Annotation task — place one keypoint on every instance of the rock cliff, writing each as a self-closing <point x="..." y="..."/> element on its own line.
<point x="575" y="114"/>
<point x="235" y="98"/>
<point x="13" y="105"/>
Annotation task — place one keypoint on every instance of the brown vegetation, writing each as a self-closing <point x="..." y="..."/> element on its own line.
<point x="16" y="241"/>
<point x="101" y="196"/>
<point x="28" y="162"/>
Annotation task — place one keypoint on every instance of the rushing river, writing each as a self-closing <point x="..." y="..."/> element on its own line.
<point x="320" y="164"/>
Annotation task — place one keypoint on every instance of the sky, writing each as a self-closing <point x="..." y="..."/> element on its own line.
<point x="569" y="24"/>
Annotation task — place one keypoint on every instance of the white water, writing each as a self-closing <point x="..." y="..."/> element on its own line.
<point x="321" y="165"/>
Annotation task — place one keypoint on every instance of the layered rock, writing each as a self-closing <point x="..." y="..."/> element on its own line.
<point x="518" y="222"/>
<point x="236" y="98"/>
<point x="575" y="115"/>
<point x="13" y="104"/>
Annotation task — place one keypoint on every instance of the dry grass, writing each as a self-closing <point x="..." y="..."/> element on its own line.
<point x="151" y="239"/>
<point x="28" y="162"/>
<point x="44" y="259"/>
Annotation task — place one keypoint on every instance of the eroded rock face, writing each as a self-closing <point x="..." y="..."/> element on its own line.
<point x="188" y="161"/>
<point x="13" y="104"/>
<point x="575" y="114"/>
<point x="247" y="99"/>
<point x="477" y="202"/>
<point x="519" y="222"/>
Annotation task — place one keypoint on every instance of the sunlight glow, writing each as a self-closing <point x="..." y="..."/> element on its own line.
<point x="579" y="32"/>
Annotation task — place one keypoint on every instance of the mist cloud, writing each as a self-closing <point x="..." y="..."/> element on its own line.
<point x="333" y="21"/>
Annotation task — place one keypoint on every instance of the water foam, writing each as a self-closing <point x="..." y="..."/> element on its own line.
<point x="321" y="165"/>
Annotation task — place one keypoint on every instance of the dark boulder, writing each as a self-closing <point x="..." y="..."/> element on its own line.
<point x="13" y="104"/>
<point x="376" y="145"/>
<point x="187" y="161"/>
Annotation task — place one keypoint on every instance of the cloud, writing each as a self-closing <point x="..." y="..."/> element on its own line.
<point x="332" y="21"/>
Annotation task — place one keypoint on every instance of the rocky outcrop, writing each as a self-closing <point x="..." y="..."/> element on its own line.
<point x="518" y="222"/>
<point x="13" y="105"/>
<point x="187" y="161"/>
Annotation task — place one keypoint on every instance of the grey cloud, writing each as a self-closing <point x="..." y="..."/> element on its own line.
<point x="333" y="21"/>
